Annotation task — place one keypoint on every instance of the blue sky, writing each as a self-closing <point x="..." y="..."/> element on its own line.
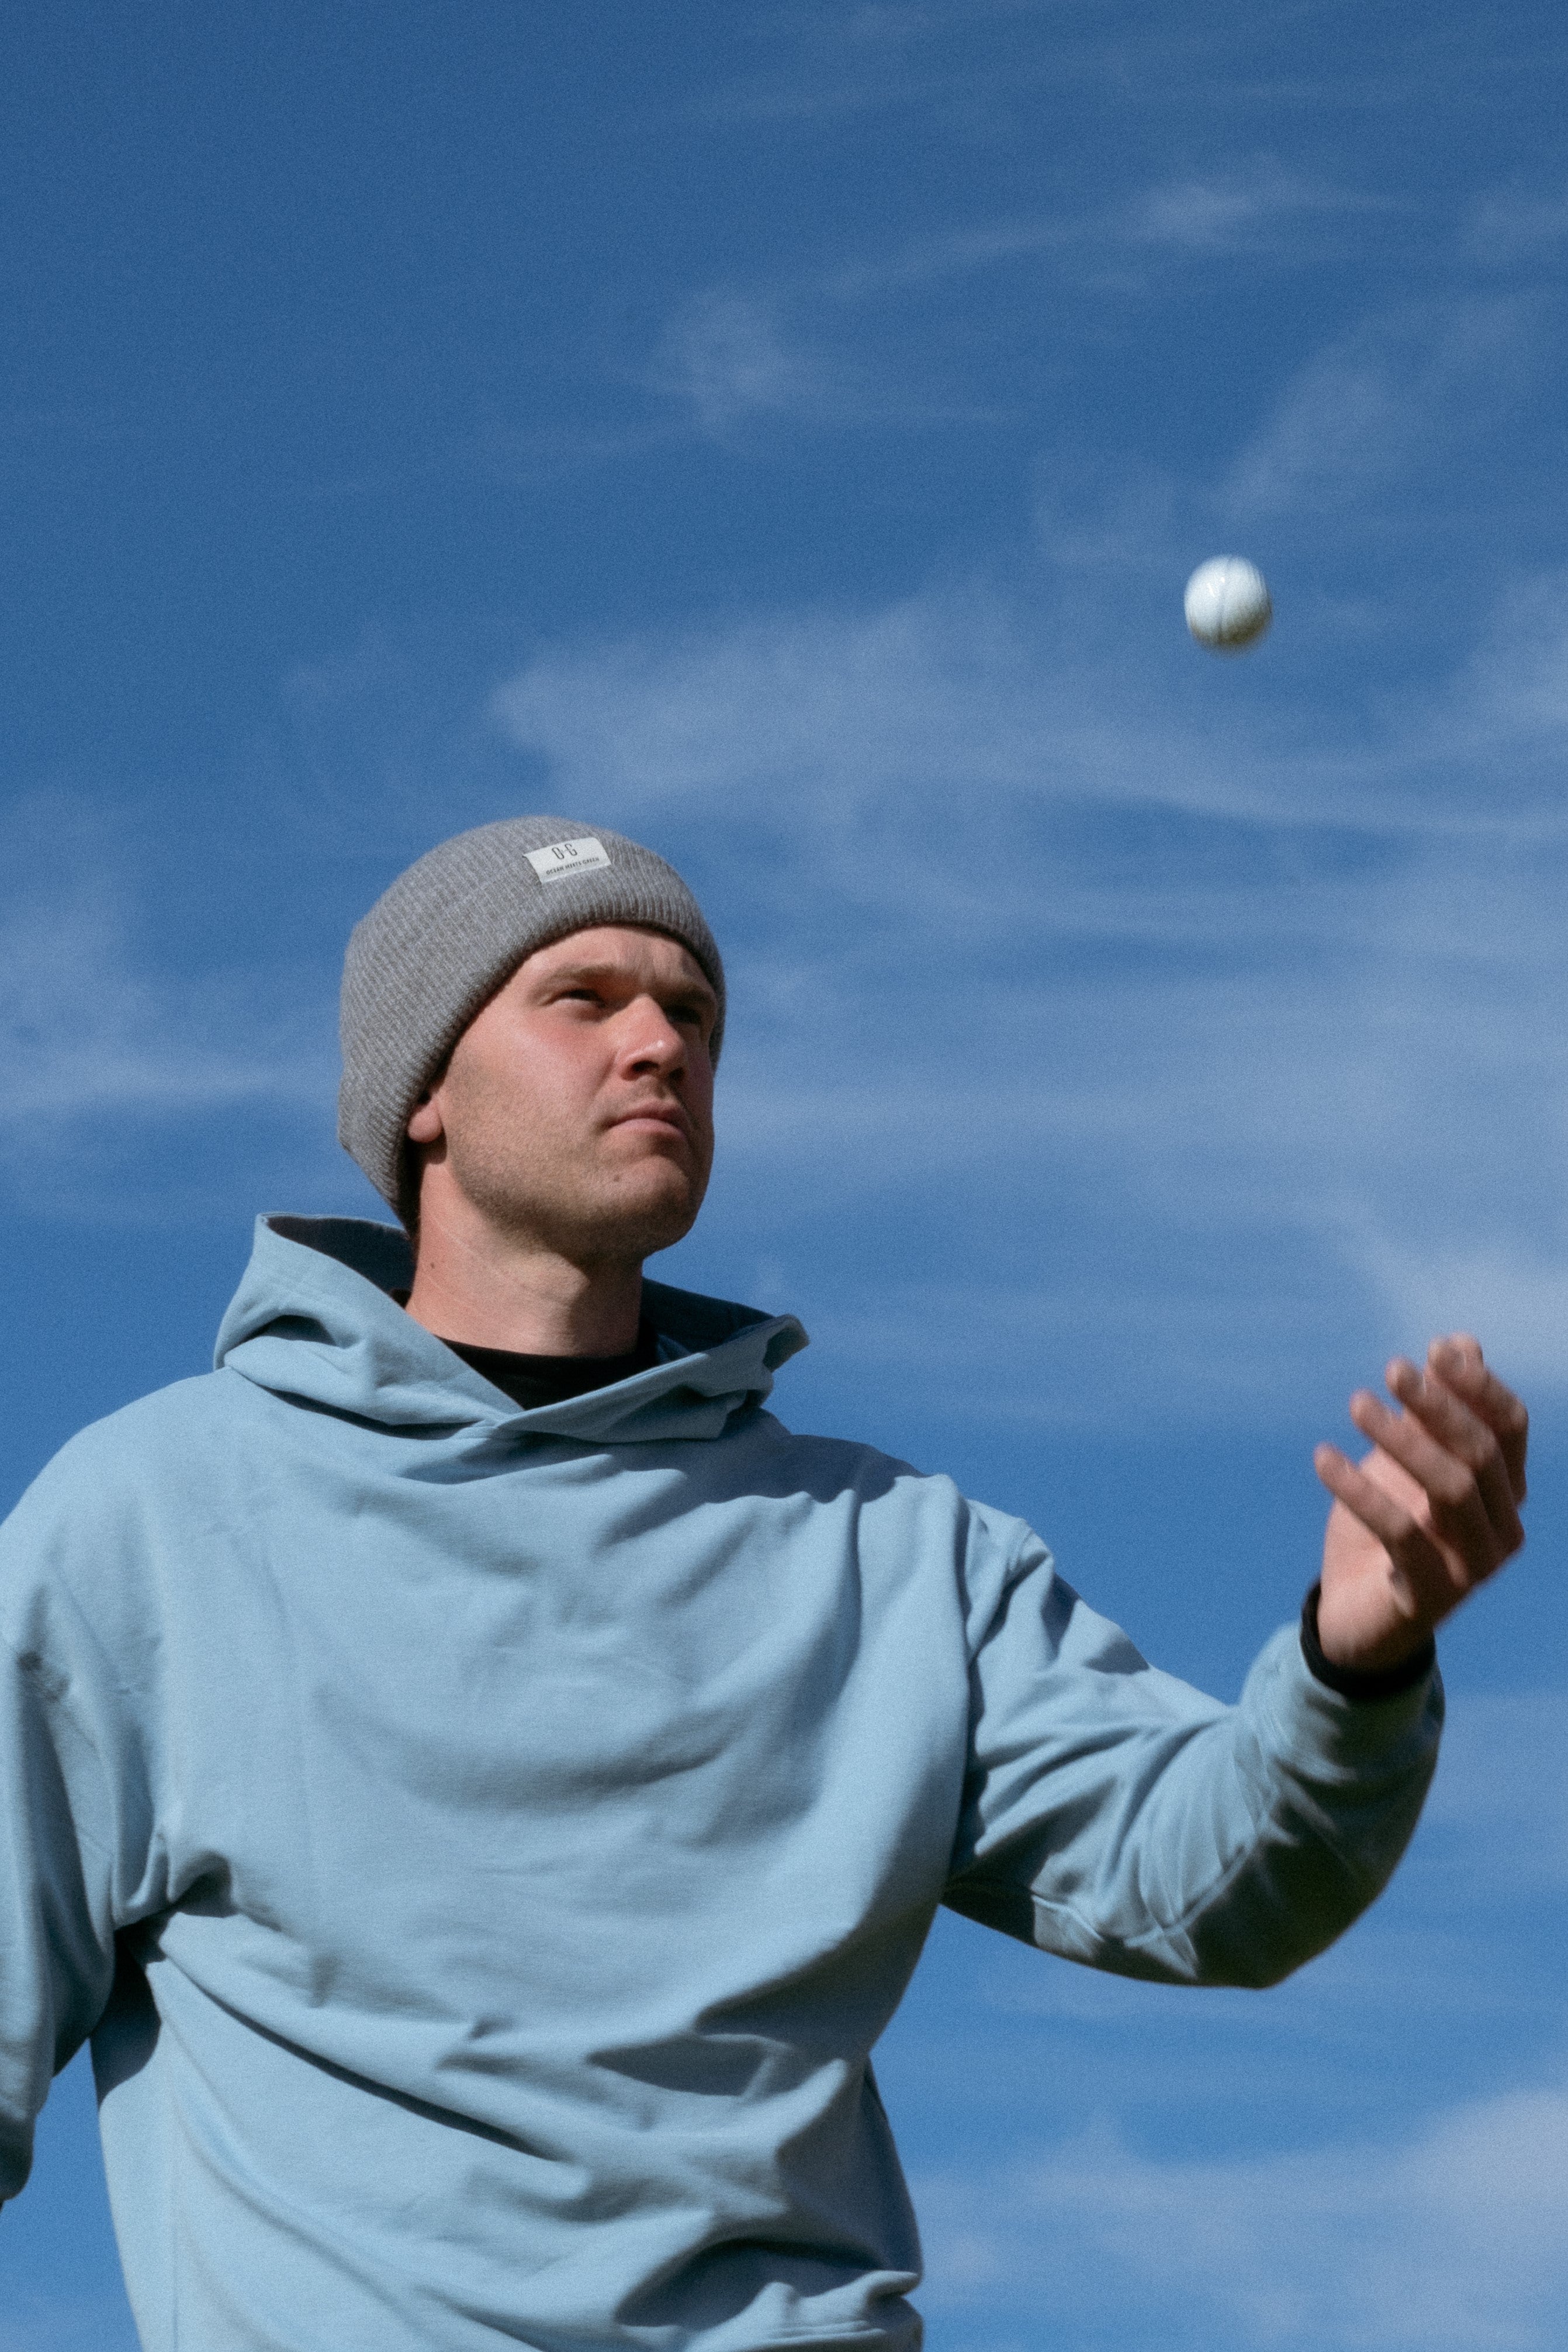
<point x="784" y="432"/>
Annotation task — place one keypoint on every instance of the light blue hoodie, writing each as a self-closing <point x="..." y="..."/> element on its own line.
<point x="485" y="1845"/>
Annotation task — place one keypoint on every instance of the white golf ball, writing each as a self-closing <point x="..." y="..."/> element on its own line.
<point x="1227" y="603"/>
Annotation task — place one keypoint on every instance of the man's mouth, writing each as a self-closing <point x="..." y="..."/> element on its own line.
<point x="664" y="1115"/>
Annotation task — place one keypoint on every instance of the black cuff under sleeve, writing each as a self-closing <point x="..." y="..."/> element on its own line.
<point x="1386" y="1682"/>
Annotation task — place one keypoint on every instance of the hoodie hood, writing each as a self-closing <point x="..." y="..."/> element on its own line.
<point x="315" y="1319"/>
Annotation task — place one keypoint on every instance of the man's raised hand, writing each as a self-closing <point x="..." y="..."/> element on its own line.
<point x="1428" y="1515"/>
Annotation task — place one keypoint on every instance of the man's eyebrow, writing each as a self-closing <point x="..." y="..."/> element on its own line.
<point x="687" y="984"/>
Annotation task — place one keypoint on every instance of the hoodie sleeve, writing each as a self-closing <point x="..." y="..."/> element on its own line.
<point x="1116" y="1816"/>
<point x="57" y="1937"/>
<point x="56" y="1813"/>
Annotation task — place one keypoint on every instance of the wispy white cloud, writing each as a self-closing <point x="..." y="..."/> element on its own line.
<point x="97" y="1042"/>
<point x="1392" y="393"/>
<point x="727" y="356"/>
<point x="966" y="693"/>
<point x="828" y="710"/>
<point x="1512" y="225"/>
<point x="960" y="694"/>
<point x="927" y="261"/>
<point x="1239" y="211"/>
<point x="1456" y="2238"/>
<point x="1514" y="1290"/>
<point x="729" y="360"/>
<point x="1511" y="694"/>
<point x="1261" y="210"/>
<point x="1388" y="393"/>
<point x="1202" y="215"/>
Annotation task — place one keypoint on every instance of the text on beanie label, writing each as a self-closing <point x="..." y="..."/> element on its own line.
<point x="569" y="857"/>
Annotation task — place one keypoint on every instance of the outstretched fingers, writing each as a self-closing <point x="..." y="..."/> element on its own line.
<point x="1455" y="1455"/>
<point x="1458" y="1363"/>
<point x="1430" y="1513"/>
<point x="1455" y="1458"/>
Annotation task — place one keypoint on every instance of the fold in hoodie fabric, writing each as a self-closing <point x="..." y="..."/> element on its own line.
<point x="484" y="1845"/>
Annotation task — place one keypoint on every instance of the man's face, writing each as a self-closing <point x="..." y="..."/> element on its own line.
<point x="576" y="1111"/>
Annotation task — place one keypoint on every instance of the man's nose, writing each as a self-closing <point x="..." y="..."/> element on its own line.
<point x="653" y="1039"/>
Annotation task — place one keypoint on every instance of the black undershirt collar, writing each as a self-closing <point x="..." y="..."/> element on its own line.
<point x="534" y="1380"/>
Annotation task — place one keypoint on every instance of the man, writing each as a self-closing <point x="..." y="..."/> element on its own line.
<point x="482" y="1784"/>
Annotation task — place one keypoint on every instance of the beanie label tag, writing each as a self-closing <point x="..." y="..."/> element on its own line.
<point x="569" y="857"/>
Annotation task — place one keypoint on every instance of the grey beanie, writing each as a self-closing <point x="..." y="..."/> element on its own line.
<point x="451" y="930"/>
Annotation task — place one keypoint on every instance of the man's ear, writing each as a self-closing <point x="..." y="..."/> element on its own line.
<point x="425" y="1123"/>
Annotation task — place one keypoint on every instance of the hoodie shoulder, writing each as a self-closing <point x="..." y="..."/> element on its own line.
<point x="89" y="1540"/>
<point x="134" y="1446"/>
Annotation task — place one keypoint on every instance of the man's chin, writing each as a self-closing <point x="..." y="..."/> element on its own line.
<point x="651" y="1213"/>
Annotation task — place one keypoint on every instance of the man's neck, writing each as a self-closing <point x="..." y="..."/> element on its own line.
<point x="491" y="1292"/>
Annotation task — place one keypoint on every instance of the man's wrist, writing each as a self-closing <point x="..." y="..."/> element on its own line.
<point x="1361" y="1683"/>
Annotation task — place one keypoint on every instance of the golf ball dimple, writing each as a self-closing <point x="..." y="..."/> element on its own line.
<point x="1227" y="603"/>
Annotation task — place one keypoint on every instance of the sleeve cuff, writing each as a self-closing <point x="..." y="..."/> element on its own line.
<point x="1389" y="1682"/>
